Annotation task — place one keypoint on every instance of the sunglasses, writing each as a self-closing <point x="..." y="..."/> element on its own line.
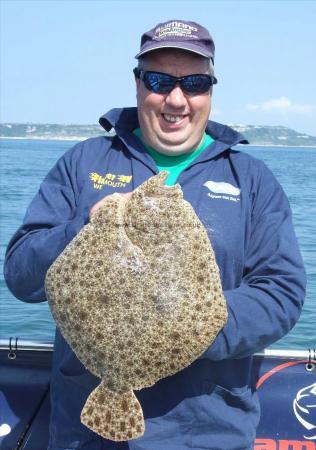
<point x="162" y="83"/>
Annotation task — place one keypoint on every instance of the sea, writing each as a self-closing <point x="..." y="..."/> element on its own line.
<point x="24" y="164"/>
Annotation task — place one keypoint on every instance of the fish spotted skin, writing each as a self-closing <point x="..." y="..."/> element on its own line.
<point x="137" y="295"/>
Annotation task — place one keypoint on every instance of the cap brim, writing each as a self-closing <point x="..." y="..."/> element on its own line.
<point x="188" y="47"/>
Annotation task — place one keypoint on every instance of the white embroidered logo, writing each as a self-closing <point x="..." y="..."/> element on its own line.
<point x="222" y="190"/>
<point x="304" y="409"/>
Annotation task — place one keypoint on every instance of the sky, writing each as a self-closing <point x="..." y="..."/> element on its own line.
<point x="70" y="61"/>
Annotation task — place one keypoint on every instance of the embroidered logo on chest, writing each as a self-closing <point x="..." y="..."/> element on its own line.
<point x="109" y="179"/>
<point x="221" y="190"/>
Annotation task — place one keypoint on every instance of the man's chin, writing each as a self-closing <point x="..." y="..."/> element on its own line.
<point x="173" y="152"/>
<point x="173" y="149"/>
<point x="170" y="145"/>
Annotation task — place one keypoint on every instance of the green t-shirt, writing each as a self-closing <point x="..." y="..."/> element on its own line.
<point x="177" y="163"/>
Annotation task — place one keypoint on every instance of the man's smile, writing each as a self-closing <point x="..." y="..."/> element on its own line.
<point x="173" y="118"/>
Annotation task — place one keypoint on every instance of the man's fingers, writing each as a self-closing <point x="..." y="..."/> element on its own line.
<point x="101" y="202"/>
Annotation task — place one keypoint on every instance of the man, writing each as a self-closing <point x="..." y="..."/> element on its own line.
<point x="212" y="403"/>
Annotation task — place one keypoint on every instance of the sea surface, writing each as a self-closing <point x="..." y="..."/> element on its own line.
<point x="24" y="164"/>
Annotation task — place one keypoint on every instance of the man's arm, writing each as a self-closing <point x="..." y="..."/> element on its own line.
<point x="268" y="302"/>
<point x="50" y="223"/>
<point x="52" y="220"/>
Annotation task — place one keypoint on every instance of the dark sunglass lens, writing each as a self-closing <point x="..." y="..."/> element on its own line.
<point x="158" y="82"/>
<point x="196" y="84"/>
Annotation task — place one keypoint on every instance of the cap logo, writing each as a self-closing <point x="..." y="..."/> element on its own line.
<point x="175" y="29"/>
<point x="180" y="34"/>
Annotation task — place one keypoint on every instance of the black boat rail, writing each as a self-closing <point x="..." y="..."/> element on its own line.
<point x="18" y="344"/>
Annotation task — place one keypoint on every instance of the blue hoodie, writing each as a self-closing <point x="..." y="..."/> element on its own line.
<point x="212" y="403"/>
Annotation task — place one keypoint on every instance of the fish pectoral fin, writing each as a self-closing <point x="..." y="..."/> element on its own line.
<point x="113" y="415"/>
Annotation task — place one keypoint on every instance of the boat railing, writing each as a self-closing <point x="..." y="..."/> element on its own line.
<point x="14" y="344"/>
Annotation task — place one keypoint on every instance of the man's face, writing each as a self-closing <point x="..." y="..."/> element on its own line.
<point x="173" y="123"/>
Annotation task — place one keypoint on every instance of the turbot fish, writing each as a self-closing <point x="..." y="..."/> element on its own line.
<point x="137" y="295"/>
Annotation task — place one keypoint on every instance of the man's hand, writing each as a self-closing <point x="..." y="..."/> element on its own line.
<point x="101" y="202"/>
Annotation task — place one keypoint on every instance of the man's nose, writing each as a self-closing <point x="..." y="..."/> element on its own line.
<point x="176" y="97"/>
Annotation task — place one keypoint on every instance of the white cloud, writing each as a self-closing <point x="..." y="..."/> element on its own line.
<point x="281" y="104"/>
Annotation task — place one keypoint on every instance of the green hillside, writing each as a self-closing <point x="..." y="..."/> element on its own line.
<point x="257" y="135"/>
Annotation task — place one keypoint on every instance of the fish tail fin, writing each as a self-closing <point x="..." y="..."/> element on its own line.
<point x="113" y="415"/>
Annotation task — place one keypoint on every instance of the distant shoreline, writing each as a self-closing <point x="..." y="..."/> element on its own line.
<point x="45" y="138"/>
<point x="79" y="139"/>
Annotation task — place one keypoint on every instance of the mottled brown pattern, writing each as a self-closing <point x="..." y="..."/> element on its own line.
<point x="144" y="299"/>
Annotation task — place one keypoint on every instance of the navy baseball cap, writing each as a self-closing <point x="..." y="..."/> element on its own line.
<point x="180" y="34"/>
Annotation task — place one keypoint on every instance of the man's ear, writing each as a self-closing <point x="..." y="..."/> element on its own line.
<point x="137" y="83"/>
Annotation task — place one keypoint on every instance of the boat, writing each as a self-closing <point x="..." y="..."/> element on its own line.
<point x="285" y="381"/>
